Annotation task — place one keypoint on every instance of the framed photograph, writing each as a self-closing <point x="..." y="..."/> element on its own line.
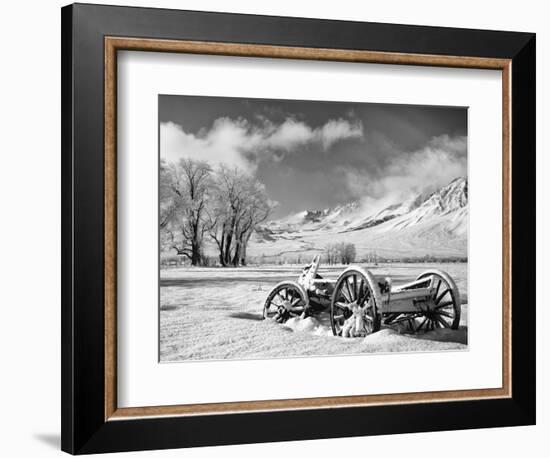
<point x="281" y="228"/>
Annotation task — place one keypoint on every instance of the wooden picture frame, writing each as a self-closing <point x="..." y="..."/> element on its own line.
<point x="91" y="37"/>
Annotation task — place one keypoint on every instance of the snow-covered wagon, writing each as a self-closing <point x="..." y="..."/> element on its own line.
<point x="359" y="303"/>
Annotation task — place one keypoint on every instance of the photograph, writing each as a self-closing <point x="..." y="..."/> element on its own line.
<point x="294" y="228"/>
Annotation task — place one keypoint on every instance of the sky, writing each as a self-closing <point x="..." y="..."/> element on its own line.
<point x="316" y="154"/>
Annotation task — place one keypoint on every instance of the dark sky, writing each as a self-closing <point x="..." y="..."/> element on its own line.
<point x="313" y="154"/>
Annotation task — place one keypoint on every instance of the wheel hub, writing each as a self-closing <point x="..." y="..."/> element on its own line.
<point x="356" y="321"/>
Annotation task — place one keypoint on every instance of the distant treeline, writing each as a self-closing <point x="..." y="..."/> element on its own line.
<point x="346" y="253"/>
<point x="423" y="259"/>
<point x="305" y="258"/>
<point x="334" y="254"/>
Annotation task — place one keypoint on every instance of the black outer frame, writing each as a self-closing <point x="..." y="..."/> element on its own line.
<point x="84" y="429"/>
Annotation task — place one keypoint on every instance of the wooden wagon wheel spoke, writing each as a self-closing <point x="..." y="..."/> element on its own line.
<point x="355" y="289"/>
<point x="446" y="317"/>
<point x="348" y="299"/>
<point x="344" y="310"/>
<point x="348" y="289"/>
<point x="341" y="305"/>
<point x="394" y="318"/>
<point x="421" y="324"/>
<point x="295" y="301"/>
<point x="291" y="295"/>
<point x="288" y="294"/>
<point x="438" y="286"/>
<point x="391" y="317"/>
<point x="441" y="312"/>
<point x="444" y="304"/>
<point x="442" y="321"/>
<point x="438" y="299"/>
<point x="273" y="303"/>
<point x="366" y="297"/>
<point x="361" y="292"/>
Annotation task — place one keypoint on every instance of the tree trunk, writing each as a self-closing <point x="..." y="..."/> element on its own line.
<point x="244" y="246"/>
<point x="221" y="245"/>
<point x="243" y="255"/>
<point x="195" y="252"/>
<point x="237" y="254"/>
<point x="227" y="254"/>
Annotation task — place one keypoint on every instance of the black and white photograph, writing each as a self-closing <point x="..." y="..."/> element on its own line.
<point x="292" y="228"/>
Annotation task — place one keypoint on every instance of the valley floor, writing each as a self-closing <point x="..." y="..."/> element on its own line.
<point x="216" y="313"/>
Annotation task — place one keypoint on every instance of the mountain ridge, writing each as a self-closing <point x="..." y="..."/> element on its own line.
<point x="450" y="197"/>
<point x="434" y="222"/>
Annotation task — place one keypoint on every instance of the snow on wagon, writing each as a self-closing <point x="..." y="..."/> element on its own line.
<point x="359" y="303"/>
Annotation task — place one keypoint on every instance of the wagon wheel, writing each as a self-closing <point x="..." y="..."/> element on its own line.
<point x="285" y="301"/>
<point x="446" y="313"/>
<point x="353" y="309"/>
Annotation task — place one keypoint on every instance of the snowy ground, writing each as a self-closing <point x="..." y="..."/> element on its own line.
<point x="216" y="313"/>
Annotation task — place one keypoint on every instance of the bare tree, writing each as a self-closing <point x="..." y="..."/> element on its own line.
<point x="238" y="206"/>
<point x="348" y="253"/>
<point x="255" y="210"/>
<point x="344" y="253"/>
<point x="225" y="206"/>
<point x="183" y="198"/>
<point x="332" y="251"/>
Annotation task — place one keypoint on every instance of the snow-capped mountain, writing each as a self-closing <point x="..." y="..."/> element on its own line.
<point x="426" y="223"/>
<point x="421" y="207"/>
<point x="327" y="218"/>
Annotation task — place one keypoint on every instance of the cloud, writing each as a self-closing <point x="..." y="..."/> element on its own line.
<point x="239" y="143"/>
<point x="335" y="130"/>
<point x="438" y="163"/>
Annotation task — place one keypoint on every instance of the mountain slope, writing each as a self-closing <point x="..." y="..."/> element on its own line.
<point x="433" y="223"/>
<point x="452" y="197"/>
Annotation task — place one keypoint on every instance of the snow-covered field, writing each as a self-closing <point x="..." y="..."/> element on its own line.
<point x="216" y="313"/>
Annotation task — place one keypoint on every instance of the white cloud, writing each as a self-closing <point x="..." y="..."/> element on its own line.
<point x="437" y="164"/>
<point x="335" y="130"/>
<point x="238" y="143"/>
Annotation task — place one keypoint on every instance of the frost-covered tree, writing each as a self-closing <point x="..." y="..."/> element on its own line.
<point x="344" y="253"/>
<point x="238" y="205"/>
<point x="183" y="198"/>
<point x="347" y="253"/>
